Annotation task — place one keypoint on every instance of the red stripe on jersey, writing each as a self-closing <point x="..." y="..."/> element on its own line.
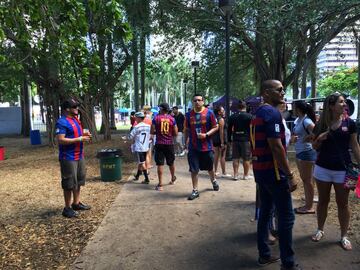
<point x="76" y="135"/>
<point x="264" y="165"/>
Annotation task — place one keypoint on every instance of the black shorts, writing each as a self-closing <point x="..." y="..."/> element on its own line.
<point x="162" y="152"/>
<point x="199" y="160"/>
<point x="217" y="144"/>
<point x="241" y="150"/>
<point x="73" y="173"/>
<point x="141" y="157"/>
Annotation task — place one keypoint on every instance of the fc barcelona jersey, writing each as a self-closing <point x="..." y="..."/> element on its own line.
<point x="266" y="124"/>
<point x="164" y="126"/>
<point x="72" y="128"/>
<point x="199" y="122"/>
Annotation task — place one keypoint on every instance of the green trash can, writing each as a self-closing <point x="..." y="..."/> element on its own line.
<point x="110" y="164"/>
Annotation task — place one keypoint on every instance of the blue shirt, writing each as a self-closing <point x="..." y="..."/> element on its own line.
<point x="299" y="130"/>
<point x="266" y="124"/>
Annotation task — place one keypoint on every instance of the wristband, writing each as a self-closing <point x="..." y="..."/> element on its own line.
<point x="80" y="138"/>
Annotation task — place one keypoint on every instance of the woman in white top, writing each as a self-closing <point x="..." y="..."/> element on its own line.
<point x="305" y="154"/>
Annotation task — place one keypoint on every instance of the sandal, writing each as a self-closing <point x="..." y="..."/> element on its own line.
<point x="345" y="243"/>
<point x="172" y="181"/>
<point x="318" y="236"/>
<point x="159" y="188"/>
<point x="303" y="211"/>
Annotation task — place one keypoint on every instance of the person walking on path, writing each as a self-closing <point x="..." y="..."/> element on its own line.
<point x="200" y="125"/>
<point x="71" y="137"/>
<point x="164" y="126"/>
<point x="305" y="154"/>
<point x="179" y="140"/>
<point x="220" y="142"/>
<point x="334" y="135"/>
<point x="238" y="134"/>
<point x="273" y="176"/>
<point x="140" y="135"/>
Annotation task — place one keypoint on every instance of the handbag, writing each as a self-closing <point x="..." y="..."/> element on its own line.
<point x="351" y="176"/>
<point x="352" y="172"/>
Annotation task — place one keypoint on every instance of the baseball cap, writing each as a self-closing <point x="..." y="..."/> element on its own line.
<point x="70" y="103"/>
<point x="164" y="106"/>
<point x="139" y="114"/>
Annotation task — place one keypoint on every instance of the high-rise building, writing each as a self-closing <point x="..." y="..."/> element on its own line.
<point x="340" y="51"/>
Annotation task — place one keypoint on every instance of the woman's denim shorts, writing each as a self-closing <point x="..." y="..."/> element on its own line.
<point x="309" y="155"/>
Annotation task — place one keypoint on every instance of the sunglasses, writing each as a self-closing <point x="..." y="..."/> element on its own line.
<point x="195" y="100"/>
<point x="280" y="89"/>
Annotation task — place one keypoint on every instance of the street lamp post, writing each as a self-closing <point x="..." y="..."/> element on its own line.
<point x="226" y="7"/>
<point x="185" y="81"/>
<point x="195" y="64"/>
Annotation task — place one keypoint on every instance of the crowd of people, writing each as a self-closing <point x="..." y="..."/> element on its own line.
<point x="322" y="154"/>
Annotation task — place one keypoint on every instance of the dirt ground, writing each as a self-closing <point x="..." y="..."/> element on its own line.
<point x="34" y="235"/>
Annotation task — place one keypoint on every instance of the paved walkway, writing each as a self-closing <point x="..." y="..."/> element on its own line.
<point x="147" y="229"/>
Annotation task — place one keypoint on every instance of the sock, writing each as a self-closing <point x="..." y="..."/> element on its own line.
<point x="138" y="174"/>
<point x="146" y="175"/>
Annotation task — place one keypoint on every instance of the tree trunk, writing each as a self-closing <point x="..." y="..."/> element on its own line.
<point x="142" y="66"/>
<point x="112" y="113"/>
<point x="136" y="72"/>
<point x="105" y="109"/>
<point x="303" y="83"/>
<point x="25" y="109"/>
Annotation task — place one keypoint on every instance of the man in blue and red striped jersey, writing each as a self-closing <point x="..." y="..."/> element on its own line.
<point x="273" y="176"/>
<point x="165" y="129"/>
<point x="70" y="137"/>
<point x="200" y="124"/>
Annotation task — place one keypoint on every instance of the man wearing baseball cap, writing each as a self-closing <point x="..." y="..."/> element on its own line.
<point x="164" y="126"/>
<point x="70" y="137"/>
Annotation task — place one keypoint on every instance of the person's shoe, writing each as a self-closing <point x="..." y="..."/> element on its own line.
<point x="159" y="188"/>
<point x="136" y="177"/>
<point x="265" y="261"/>
<point x="215" y="185"/>
<point x="247" y="177"/>
<point x="69" y="213"/>
<point x="182" y="154"/>
<point x="236" y="177"/>
<point x="217" y="173"/>
<point x="146" y="181"/>
<point x="194" y="194"/>
<point x="294" y="267"/>
<point x="80" y="206"/>
<point x="225" y="175"/>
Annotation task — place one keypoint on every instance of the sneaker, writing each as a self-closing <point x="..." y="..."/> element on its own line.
<point x="135" y="178"/>
<point x="294" y="267"/>
<point x="265" y="261"/>
<point x="217" y="173"/>
<point x="247" y="177"/>
<point x="236" y="177"/>
<point x="146" y="181"/>
<point x="194" y="194"/>
<point x="225" y="175"/>
<point x="215" y="185"/>
<point x="69" y="213"/>
<point x="159" y="188"/>
<point x="80" y="206"/>
<point x="182" y="154"/>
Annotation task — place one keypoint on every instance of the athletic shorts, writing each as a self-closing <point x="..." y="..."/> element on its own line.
<point x="309" y="155"/>
<point x="73" y="173"/>
<point x="241" y="150"/>
<point x="329" y="176"/>
<point x="162" y="152"/>
<point x="141" y="157"/>
<point x="202" y="161"/>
